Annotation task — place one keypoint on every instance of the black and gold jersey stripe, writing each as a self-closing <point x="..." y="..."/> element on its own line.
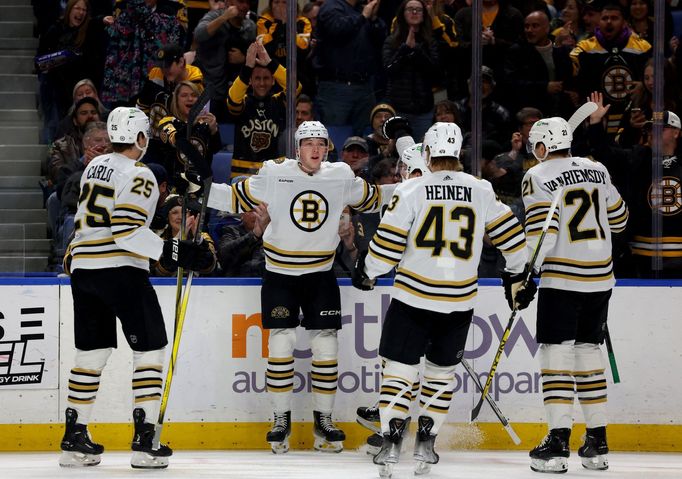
<point x="618" y="216"/>
<point x="388" y="244"/>
<point x="296" y="259"/>
<point x="536" y="214"/>
<point x="441" y="290"/>
<point x="370" y="199"/>
<point x="586" y="271"/>
<point x="506" y="233"/>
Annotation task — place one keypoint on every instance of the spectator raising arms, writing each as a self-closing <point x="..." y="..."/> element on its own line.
<point x="260" y="115"/>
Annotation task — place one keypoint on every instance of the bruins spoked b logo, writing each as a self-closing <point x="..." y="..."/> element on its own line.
<point x="309" y="210"/>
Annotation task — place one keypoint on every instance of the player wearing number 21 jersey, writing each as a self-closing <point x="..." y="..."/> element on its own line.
<point x="576" y="253"/>
<point x="575" y="287"/>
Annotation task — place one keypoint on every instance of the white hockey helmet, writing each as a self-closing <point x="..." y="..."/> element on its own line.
<point x="125" y="124"/>
<point x="555" y="133"/>
<point x="442" y="139"/>
<point x="310" y="129"/>
<point x="412" y="159"/>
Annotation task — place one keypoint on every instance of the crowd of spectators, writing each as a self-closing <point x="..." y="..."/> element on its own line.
<point x="358" y="63"/>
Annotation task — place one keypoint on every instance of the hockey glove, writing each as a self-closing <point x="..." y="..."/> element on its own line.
<point x="184" y="253"/>
<point x="198" y="163"/>
<point x="516" y="292"/>
<point x="396" y="127"/>
<point x="359" y="278"/>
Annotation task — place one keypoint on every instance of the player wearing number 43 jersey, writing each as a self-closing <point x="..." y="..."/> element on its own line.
<point x="575" y="287"/>
<point x="433" y="232"/>
<point x="305" y="199"/>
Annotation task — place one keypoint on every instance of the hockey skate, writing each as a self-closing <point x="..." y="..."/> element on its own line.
<point x="389" y="455"/>
<point x="594" y="450"/>
<point x="278" y="436"/>
<point x="144" y="456"/>
<point x="328" y="437"/>
<point x="78" y="450"/>
<point x="374" y="443"/>
<point x="369" y="418"/>
<point x="424" y="453"/>
<point x="552" y="453"/>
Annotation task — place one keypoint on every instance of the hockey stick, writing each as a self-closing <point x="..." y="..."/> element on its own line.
<point x="612" y="357"/>
<point x="529" y="273"/>
<point x="183" y="302"/>
<point x="581" y="114"/>
<point x="496" y="409"/>
<point x="178" y="327"/>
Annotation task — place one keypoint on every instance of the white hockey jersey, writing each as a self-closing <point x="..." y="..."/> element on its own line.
<point x="433" y="231"/>
<point x="304" y="210"/>
<point x="116" y="206"/>
<point x="576" y="253"/>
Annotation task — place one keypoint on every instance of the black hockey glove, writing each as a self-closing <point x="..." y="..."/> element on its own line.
<point x="396" y="127"/>
<point x="517" y="292"/>
<point x="184" y="253"/>
<point x="198" y="163"/>
<point x="359" y="279"/>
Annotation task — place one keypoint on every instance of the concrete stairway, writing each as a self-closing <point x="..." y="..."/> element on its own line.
<point x="24" y="246"/>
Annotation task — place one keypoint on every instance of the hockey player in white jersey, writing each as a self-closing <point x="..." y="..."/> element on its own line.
<point x="305" y="198"/>
<point x="108" y="261"/>
<point x="433" y="232"/>
<point x="575" y="287"/>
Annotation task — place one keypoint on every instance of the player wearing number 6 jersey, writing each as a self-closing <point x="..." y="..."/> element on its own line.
<point x="575" y="287"/>
<point x="433" y="232"/>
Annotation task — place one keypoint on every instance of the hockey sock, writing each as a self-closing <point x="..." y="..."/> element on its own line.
<point x="437" y="388"/>
<point x="325" y="368"/>
<point x="556" y="367"/>
<point x="590" y="383"/>
<point x="84" y="381"/>
<point x="396" y="392"/>
<point x="148" y="381"/>
<point x="280" y="373"/>
<point x="415" y="389"/>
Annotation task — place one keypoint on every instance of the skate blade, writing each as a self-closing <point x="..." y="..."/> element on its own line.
<point x="386" y="470"/>
<point x="596" y="463"/>
<point x="78" y="459"/>
<point x="143" y="460"/>
<point x="372" y="450"/>
<point x="323" y="445"/>
<point x="421" y="468"/>
<point x="556" y="465"/>
<point x="372" y="426"/>
<point x="280" y="447"/>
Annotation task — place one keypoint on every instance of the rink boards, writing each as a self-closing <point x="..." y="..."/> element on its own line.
<point x="218" y="400"/>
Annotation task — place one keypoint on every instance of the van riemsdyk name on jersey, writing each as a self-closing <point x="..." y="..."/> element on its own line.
<point x="573" y="177"/>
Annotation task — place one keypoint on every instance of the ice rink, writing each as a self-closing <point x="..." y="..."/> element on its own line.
<point x="349" y="464"/>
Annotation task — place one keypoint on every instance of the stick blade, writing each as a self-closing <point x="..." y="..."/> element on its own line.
<point x="476" y="410"/>
<point x="581" y="114"/>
